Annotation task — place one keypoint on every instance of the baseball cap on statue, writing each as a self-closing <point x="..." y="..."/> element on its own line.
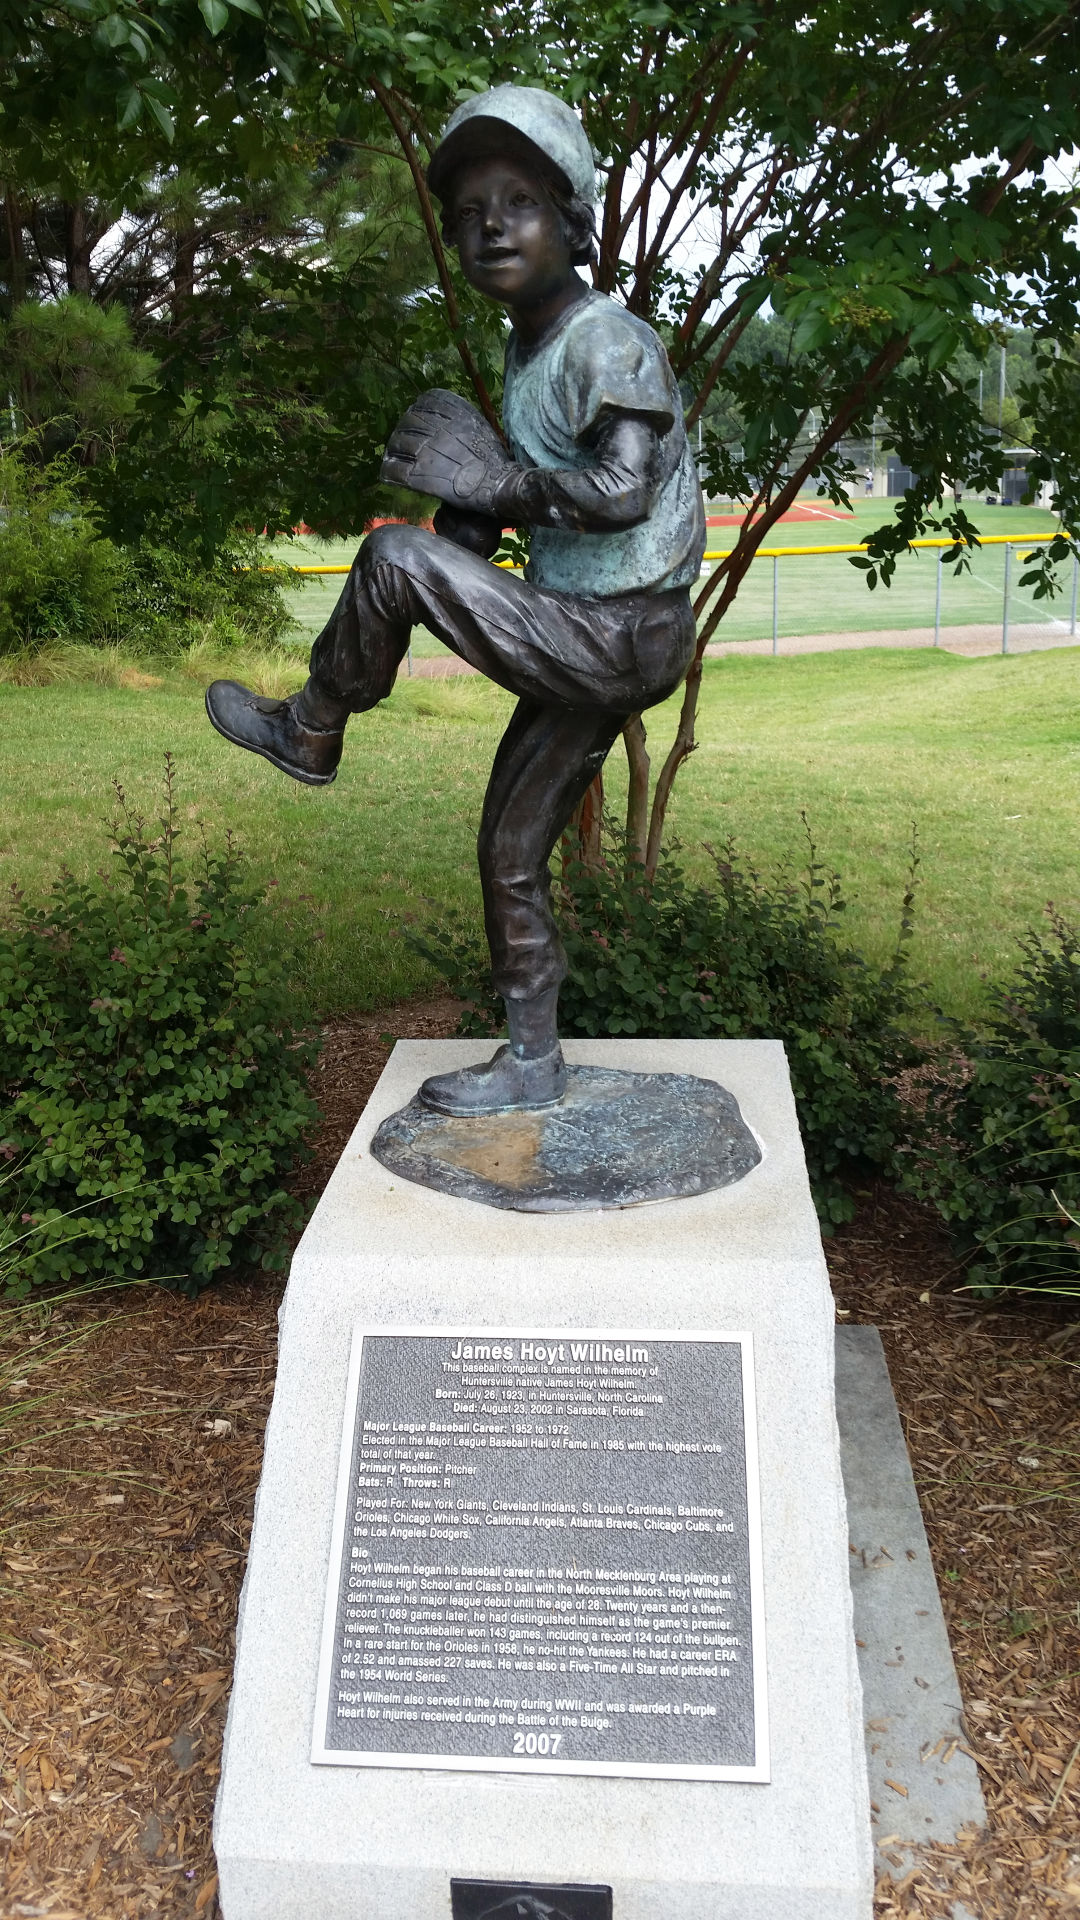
<point x="538" y="119"/>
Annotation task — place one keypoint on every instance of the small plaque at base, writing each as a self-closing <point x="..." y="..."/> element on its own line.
<point x="523" y="1900"/>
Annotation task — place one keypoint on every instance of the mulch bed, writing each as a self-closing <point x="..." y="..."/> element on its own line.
<point x="125" y="1521"/>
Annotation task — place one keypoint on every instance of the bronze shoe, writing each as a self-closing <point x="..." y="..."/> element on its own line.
<point x="504" y="1084"/>
<point x="274" y="729"/>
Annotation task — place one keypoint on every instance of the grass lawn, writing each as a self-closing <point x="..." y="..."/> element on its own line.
<point x="313" y="601"/>
<point x="984" y="755"/>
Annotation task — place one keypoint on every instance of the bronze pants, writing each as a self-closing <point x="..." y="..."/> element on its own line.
<point x="580" y="667"/>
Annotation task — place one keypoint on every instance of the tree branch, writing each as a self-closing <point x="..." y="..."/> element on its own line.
<point x="607" y="267"/>
<point x="700" y="145"/>
<point x="431" y="228"/>
<point x="729" y="577"/>
<point x="696" y="87"/>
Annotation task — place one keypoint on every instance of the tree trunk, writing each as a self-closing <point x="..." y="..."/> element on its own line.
<point x="16" y="248"/>
<point x="637" y="799"/>
<point x="184" y="271"/>
<point x="582" y="840"/>
<point x="681" y="749"/>
<point x="79" y="240"/>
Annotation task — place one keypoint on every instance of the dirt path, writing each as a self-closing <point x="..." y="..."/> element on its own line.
<point x="439" y="666"/>
<point x="127" y="1511"/>
<point x="971" y="640"/>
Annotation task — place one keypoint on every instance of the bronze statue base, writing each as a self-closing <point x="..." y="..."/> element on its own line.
<point x="613" y="1140"/>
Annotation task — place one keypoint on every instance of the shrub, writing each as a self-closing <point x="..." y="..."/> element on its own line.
<point x="748" y="957"/>
<point x="1006" y="1174"/>
<point x="58" y="579"/>
<point x="152" y="1090"/>
<point x="174" y="595"/>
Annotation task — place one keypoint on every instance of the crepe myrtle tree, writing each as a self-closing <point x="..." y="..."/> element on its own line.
<point x="885" y="182"/>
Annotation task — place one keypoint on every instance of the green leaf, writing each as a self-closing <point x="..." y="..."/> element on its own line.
<point x="350" y="118"/>
<point x="162" y="116"/>
<point x="216" y="15"/>
<point x="929" y="327"/>
<point x="811" y="333"/>
<point x="112" y="31"/>
<point x="943" y="348"/>
<point x="387" y="11"/>
<point x="129" y="106"/>
<point x="282" y="61"/>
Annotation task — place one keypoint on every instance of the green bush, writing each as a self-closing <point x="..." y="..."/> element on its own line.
<point x="748" y="957"/>
<point x="173" y="596"/>
<point x="1006" y="1173"/>
<point x="58" y="579"/>
<point x="61" y="580"/>
<point x="152" y="1092"/>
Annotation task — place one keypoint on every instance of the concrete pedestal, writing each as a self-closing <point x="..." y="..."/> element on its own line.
<point x="295" y="1840"/>
<point x="921" y="1774"/>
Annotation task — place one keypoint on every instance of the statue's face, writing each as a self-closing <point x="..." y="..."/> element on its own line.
<point x="511" y="239"/>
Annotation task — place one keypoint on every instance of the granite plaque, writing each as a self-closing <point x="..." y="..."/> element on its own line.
<point x="546" y="1556"/>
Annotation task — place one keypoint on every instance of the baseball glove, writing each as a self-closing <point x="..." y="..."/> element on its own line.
<point x="443" y="446"/>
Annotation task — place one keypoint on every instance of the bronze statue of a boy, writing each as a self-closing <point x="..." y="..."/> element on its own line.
<point x="600" y="627"/>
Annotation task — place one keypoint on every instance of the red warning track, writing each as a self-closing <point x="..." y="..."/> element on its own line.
<point x="817" y="514"/>
<point x="713" y="519"/>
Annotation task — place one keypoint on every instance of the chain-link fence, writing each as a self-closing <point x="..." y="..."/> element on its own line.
<point x="799" y="599"/>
